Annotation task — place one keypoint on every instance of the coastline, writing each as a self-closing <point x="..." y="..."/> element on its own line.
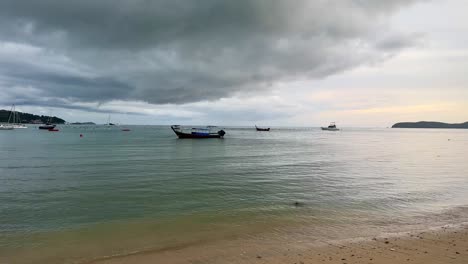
<point x="446" y="244"/>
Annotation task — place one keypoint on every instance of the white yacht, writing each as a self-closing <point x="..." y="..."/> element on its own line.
<point x="6" y="127"/>
<point x="16" y="120"/>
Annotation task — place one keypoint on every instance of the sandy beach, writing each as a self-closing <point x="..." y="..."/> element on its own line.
<point x="435" y="246"/>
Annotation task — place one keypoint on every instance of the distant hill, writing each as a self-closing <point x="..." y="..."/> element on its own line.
<point x="429" y="124"/>
<point x="30" y="118"/>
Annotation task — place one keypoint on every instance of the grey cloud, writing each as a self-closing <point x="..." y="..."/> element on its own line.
<point x="173" y="51"/>
<point x="61" y="84"/>
<point x="400" y="41"/>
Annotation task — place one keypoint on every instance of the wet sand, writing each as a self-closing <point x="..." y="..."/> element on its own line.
<point x="441" y="245"/>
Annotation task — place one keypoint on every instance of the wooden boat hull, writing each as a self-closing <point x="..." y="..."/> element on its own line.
<point x="330" y="129"/>
<point x="219" y="134"/>
<point x="187" y="135"/>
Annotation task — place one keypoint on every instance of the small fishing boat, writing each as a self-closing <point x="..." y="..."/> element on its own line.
<point x="198" y="132"/>
<point x="331" y="127"/>
<point x="125" y="129"/>
<point x="47" y="126"/>
<point x="261" y="129"/>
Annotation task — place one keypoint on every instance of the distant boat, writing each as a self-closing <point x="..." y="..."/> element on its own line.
<point x="331" y="127"/>
<point x="261" y="129"/>
<point x="6" y="127"/>
<point x="16" y="118"/>
<point x="109" y="121"/>
<point x="198" y="132"/>
<point x="48" y="125"/>
<point x="9" y="125"/>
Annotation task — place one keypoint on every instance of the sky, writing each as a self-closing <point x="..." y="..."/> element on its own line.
<point x="360" y="63"/>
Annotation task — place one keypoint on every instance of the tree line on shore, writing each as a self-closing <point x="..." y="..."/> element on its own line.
<point x="30" y="118"/>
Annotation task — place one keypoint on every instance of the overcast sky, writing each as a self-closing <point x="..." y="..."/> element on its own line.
<point x="236" y="62"/>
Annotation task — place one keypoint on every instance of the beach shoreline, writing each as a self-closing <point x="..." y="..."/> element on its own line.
<point x="446" y="244"/>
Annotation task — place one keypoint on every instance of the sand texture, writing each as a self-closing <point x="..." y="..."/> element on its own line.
<point x="440" y="245"/>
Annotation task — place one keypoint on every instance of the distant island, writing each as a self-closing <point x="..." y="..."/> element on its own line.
<point x="31" y="118"/>
<point x="429" y="124"/>
<point x="83" y="123"/>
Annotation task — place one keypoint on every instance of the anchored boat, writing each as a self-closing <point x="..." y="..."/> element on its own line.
<point x="14" y="121"/>
<point x="261" y="129"/>
<point x="198" y="132"/>
<point x="16" y="118"/>
<point x="6" y="127"/>
<point x="47" y="126"/>
<point x="331" y="127"/>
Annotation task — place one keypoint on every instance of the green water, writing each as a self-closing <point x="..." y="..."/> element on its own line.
<point x="110" y="192"/>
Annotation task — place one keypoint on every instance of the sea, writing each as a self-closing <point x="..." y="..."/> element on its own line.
<point x="66" y="198"/>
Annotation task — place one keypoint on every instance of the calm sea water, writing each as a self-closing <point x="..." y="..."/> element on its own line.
<point x="112" y="192"/>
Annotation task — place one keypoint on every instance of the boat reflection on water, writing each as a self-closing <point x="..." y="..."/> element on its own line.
<point x="198" y="132"/>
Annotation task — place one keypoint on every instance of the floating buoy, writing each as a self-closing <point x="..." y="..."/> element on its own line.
<point x="81" y="135"/>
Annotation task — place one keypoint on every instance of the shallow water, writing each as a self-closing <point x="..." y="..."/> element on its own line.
<point x="113" y="192"/>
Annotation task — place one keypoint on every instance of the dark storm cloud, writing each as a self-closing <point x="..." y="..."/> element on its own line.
<point x="173" y="51"/>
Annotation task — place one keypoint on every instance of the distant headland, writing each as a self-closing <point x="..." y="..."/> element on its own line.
<point x="429" y="124"/>
<point x="31" y="118"/>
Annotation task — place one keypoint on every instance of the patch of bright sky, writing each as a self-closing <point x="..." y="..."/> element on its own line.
<point x="425" y="82"/>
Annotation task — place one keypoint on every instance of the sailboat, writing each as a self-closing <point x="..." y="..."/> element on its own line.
<point x="8" y="125"/>
<point x="16" y="118"/>
<point x="109" y="122"/>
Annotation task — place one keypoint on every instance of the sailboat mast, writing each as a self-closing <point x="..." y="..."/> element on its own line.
<point x="15" y="117"/>
<point x="11" y="112"/>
